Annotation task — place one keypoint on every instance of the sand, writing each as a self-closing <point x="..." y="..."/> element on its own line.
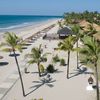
<point x="8" y="69"/>
<point x="59" y="88"/>
<point x="30" y="30"/>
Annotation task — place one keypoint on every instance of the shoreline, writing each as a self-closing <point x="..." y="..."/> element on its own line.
<point x="27" y="31"/>
<point x="9" y="74"/>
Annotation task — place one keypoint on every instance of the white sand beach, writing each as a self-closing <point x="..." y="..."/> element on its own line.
<point x="59" y="88"/>
<point x="4" y="72"/>
<point x="27" y="31"/>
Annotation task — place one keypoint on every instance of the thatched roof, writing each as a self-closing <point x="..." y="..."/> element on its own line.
<point x="65" y="31"/>
<point x="85" y="24"/>
<point x="97" y="27"/>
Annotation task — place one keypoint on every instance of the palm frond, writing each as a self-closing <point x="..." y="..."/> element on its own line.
<point x="67" y="44"/>
<point x="4" y="44"/>
<point x="31" y="62"/>
<point x="91" y="48"/>
<point x="18" y="47"/>
<point x="45" y="54"/>
<point x="12" y="40"/>
<point x="6" y="49"/>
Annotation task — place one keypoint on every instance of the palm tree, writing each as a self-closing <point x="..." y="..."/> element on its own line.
<point x="37" y="57"/>
<point x="79" y="35"/>
<point x="12" y="41"/>
<point x="67" y="21"/>
<point x="67" y="45"/>
<point x="60" y="24"/>
<point x="91" y="50"/>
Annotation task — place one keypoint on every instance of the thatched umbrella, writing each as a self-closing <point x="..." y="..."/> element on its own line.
<point x="64" y="32"/>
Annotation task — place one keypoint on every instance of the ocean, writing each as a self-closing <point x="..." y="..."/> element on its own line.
<point x="17" y="21"/>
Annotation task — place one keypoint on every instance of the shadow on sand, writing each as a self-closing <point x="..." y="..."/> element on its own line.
<point x="41" y="83"/>
<point x="3" y="63"/>
<point x="12" y="55"/>
<point x="82" y="70"/>
<point x="27" y="44"/>
<point x="57" y="71"/>
<point x="24" y="47"/>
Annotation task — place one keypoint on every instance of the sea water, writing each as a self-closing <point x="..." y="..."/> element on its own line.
<point x="17" y="21"/>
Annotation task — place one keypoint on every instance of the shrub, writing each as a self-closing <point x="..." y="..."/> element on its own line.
<point x="42" y="69"/>
<point x="44" y="59"/>
<point x="50" y="68"/>
<point x="62" y="62"/>
<point x="56" y="59"/>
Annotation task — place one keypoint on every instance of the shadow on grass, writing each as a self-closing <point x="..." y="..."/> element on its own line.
<point x="41" y="83"/>
<point x="3" y="63"/>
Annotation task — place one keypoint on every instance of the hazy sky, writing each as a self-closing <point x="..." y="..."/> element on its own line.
<point x="47" y="7"/>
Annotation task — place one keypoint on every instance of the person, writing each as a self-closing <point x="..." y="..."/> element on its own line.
<point x="90" y="80"/>
<point x="48" y="77"/>
<point x="45" y="46"/>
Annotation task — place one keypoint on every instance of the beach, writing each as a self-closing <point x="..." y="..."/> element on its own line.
<point x="58" y="88"/>
<point x="49" y="50"/>
<point x="24" y="33"/>
<point x="9" y="66"/>
<point x="27" y="31"/>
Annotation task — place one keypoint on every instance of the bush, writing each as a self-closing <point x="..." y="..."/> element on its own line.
<point x="50" y="68"/>
<point x="42" y="69"/>
<point x="56" y="59"/>
<point x="44" y="59"/>
<point x="62" y="62"/>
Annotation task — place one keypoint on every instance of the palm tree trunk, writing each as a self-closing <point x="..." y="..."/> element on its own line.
<point x="77" y="55"/>
<point x="97" y="85"/>
<point x="39" y="69"/>
<point x="19" y="73"/>
<point x="68" y="64"/>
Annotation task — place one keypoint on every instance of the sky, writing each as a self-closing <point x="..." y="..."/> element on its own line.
<point x="46" y="7"/>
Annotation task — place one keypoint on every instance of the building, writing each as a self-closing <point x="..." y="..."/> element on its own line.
<point x="64" y="32"/>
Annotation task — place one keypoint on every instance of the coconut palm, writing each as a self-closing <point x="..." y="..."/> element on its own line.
<point x="91" y="50"/>
<point x="37" y="57"/>
<point x="12" y="41"/>
<point x="60" y="24"/>
<point x="76" y="30"/>
<point x="67" y="20"/>
<point x="67" y="45"/>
